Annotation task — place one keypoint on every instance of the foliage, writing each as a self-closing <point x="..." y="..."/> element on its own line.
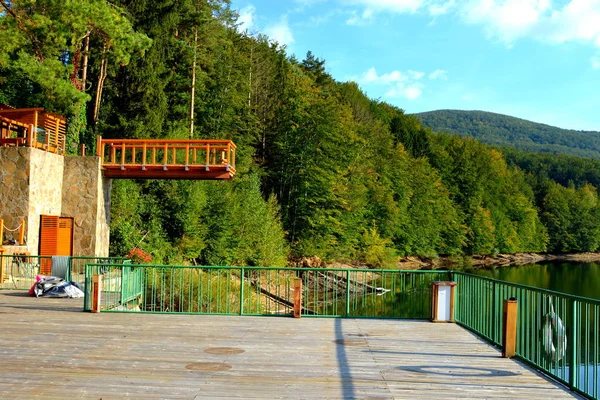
<point x="321" y="168"/>
<point x="506" y="131"/>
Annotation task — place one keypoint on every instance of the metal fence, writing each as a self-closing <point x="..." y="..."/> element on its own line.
<point x="19" y="271"/>
<point x="557" y="333"/>
<point x="264" y="291"/>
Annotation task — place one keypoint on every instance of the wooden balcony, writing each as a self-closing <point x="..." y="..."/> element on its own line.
<point x="32" y="127"/>
<point x="167" y="159"/>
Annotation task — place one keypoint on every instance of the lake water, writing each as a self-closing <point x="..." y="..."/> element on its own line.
<point x="580" y="279"/>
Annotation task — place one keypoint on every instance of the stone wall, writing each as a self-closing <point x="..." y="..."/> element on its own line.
<point x="84" y="195"/>
<point x="14" y="188"/>
<point x="45" y="191"/>
<point x="34" y="183"/>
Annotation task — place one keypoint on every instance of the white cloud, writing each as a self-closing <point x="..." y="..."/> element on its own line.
<point x="246" y="18"/>
<point x="439" y="74"/>
<point x="440" y="8"/>
<point x="595" y="62"/>
<point x="280" y="32"/>
<point x="398" y="6"/>
<point x="416" y="75"/>
<point x="466" y="97"/>
<point x="358" y="20"/>
<point x="410" y="92"/>
<point x="398" y="84"/>
<point x="548" y="21"/>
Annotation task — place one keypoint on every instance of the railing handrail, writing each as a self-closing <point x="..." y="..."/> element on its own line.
<point x="532" y="288"/>
<point x="169" y="141"/>
<point x="416" y="271"/>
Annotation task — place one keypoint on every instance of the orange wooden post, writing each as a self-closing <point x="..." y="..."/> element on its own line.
<point x="96" y="290"/>
<point x="233" y="158"/>
<point x="165" y="155"/>
<point x="297" y="298"/>
<point x="22" y="233"/>
<point x="509" y="328"/>
<point x="82" y="150"/>
<point x="56" y="135"/>
<point x="123" y="154"/>
<point x="207" y="154"/>
<point x="99" y="147"/>
<point x="187" y="154"/>
<point x="30" y="136"/>
<point x="1" y="231"/>
<point x="144" y="154"/>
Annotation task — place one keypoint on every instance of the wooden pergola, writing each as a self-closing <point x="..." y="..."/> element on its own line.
<point x="32" y="127"/>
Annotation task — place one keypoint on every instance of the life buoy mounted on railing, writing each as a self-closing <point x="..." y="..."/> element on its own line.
<point x="554" y="335"/>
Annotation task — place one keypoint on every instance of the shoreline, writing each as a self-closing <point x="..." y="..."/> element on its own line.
<point x="486" y="261"/>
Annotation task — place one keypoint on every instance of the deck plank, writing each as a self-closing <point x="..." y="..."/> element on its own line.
<point x="50" y="349"/>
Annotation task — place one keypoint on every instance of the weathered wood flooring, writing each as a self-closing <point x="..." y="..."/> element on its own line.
<point x="50" y="349"/>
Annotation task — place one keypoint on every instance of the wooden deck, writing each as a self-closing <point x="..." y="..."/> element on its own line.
<point x="50" y="349"/>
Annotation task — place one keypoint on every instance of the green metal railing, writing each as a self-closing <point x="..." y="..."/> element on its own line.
<point x="78" y="264"/>
<point x="557" y="333"/>
<point x="264" y="291"/>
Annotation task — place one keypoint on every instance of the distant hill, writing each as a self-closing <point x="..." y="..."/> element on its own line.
<point x="503" y="130"/>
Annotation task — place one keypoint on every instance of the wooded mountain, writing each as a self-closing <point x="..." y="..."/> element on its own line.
<point x="321" y="168"/>
<point x="504" y="130"/>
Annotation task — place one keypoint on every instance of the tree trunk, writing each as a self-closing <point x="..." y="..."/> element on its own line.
<point x="101" y="78"/>
<point x="86" y="49"/>
<point x="193" y="89"/>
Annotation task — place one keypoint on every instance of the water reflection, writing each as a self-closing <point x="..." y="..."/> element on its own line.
<point x="580" y="279"/>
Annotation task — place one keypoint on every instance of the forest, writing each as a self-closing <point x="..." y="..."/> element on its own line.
<point x="322" y="170"/>
<point x="503" y="130"/>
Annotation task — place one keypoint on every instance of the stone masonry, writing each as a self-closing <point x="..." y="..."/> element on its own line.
<point x="34" y="183"/>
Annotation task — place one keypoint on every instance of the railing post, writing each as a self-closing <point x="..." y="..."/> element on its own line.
<point x="99" y="149"/>
<point x="96" y="289"/>
<point x="297" y="297"/>
<point x="242" y="279"/>
<point x="30" y="136"/>
<point x="572" y="347"/>
<point x="509" y="333"/>
<point x="1" y="231"/>
<point x="347" y="293"/>
<point x="494" y="315"/>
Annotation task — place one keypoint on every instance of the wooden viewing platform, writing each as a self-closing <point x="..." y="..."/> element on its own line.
<point x="50" y="349"/>
<point x="166" y="158"/>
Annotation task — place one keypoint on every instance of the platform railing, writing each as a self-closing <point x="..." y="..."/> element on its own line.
<point x="50" y="136"/>
<point x="557" y="333"/>
<point x="270" y="291"/>
<point x="164" y="153"/>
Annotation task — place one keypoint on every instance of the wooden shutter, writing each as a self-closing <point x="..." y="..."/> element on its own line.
<point x="48" y="241"/>
<point x="65" y="237"/>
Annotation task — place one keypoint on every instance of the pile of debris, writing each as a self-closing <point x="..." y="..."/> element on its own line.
<point x="52" y="286"/>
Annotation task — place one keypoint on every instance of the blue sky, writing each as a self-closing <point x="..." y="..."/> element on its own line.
<point x="533" y="59"/>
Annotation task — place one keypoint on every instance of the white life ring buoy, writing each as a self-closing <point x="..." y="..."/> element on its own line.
<point x="555" y="337"/>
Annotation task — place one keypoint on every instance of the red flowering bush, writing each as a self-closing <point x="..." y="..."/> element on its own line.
<point x="139" y="256"/>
